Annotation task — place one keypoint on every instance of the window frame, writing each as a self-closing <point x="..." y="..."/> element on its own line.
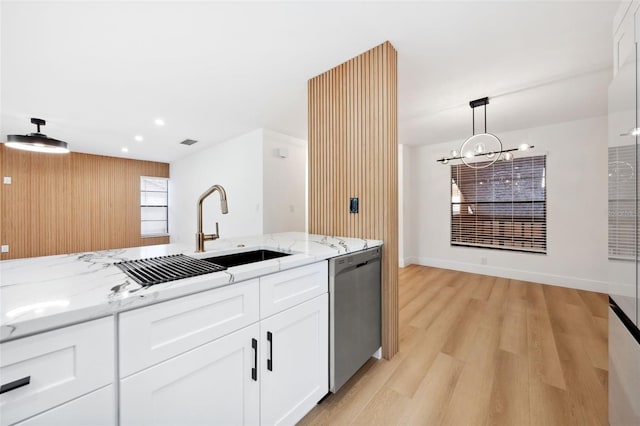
<point x="142" y="206"/>
<point x="527" y="236"/>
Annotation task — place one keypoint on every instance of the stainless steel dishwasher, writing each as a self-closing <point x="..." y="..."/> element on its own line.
<point x="354" y="313"/>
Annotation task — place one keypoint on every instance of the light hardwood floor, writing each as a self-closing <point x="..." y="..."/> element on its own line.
<point x="480" y="350"/>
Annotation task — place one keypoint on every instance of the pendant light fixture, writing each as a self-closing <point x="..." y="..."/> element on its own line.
<point x="484" y="146"/>
<point x="37" y="142"/>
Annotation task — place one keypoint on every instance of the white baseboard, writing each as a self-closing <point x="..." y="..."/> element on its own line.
<point x="408" y="261"/>
<point x="516" y="274"/>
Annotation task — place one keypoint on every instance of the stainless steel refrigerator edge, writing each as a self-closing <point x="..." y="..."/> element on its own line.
<point x="354" y="313"/>
<point x="623" y="204"/>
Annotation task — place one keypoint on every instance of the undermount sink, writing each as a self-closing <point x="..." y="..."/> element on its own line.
<point x="243" y="258"/>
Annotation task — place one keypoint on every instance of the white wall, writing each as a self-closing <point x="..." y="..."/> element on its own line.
<point x="404" y="235"/>
<point x="235" y="164"/>
<point x="401" y="171"/>
<point x="576" y="209"/>
<point x="284" y="183"/>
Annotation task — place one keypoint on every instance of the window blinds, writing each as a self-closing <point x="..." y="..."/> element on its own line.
<point x="622" y="202"/>
<point x="501" y="206"/>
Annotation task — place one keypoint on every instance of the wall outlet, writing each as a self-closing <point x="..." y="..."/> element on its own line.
<point x="5" y="249"/>
<point x="7" y="180"/>
<point x="483" y="260"/>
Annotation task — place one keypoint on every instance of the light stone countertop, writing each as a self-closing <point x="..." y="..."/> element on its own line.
<point x="44" y="293"/>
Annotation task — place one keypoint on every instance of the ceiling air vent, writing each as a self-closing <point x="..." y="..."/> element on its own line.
<point x="188" y="142"/>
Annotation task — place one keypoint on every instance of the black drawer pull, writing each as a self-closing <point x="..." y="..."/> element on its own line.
<point x="362" y="264"/>
<point x="254" y="369"/>
<point x="15" y="384"/>
<point x="270" y="360"/>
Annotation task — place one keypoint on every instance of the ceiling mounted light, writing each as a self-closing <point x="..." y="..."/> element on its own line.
<point x="138" y="138"/>
<point x="37" y="142"/>
<point x="482" y="146"/>
<point x="159" y="122"/>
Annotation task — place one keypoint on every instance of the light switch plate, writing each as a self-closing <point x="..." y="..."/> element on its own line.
<point x="7" y="180"/>
<point x="5" y="249"/>
<point x="354" y="205"/>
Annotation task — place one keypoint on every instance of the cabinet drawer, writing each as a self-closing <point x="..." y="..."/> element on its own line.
<point x="62" y="365"/>
<point x="95" y="409"/>
<point x="289" y="288"/>
<point x="155" y="333"/>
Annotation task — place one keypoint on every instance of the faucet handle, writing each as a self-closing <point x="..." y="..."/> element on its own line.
<point x="217" y="230"/>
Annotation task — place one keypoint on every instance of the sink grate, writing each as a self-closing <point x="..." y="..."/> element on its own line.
<point x="156" y="270"/>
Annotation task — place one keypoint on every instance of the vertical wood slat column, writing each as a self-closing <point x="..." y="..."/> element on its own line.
<point x="353" y="152"/>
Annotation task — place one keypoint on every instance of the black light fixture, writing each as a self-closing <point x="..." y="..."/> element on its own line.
<point x="485" y="144"/>
<point x="37" y="142"/>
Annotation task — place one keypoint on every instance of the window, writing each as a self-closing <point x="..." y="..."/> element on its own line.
<point x="622" y="202"/>
<point x="501" y="206"/>
<point x="154" y="206"/>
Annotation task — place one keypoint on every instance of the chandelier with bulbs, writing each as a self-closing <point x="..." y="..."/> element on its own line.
<point x="486" y="147"/>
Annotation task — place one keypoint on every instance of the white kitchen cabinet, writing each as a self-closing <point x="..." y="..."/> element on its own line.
<point x="294" y="372"/>
<point x="94" y="409"/>
<point x="59" y="366"/>
<point x="156" y="333"/>
<point x="624" y="33"/>
<point x="189" y="361"/>
<point x="215" y="384"/>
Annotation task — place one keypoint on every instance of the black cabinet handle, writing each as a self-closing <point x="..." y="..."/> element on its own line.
<point x="270" y="360"/>
<point x="254" y="369"/>
<point x="15" y="384"/>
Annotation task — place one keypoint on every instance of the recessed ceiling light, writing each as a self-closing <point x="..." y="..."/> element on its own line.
<point x="138" y="138"/>
<point x="159" y="122"/>
<point x="125" y="149"/>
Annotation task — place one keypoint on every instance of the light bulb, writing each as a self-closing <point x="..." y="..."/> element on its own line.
<point x="469" y="154"/>
<point x="444" y="160"/>
<point x="507" y="156"/>
<point x="479" y="148"/>
<point x="491" y="155"/>
<point x="524" y="146"/>
<point x="454" y="153"/>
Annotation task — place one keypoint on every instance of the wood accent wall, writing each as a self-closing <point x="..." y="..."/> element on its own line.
<point x="353" y="152"/>
<point x="71" y="203"/>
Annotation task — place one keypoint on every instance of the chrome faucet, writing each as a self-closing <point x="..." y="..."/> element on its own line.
<point x="201" y="237"/>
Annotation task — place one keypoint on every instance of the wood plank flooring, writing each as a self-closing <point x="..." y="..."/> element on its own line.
<point x="481" y="350"/>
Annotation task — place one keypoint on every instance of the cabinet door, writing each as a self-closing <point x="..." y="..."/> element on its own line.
<point x="209" y="385"/>
<point x="95" y="409"/>
<point x="294" y="371"/>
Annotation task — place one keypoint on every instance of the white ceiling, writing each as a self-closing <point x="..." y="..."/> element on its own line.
<point x="101" y="72"/>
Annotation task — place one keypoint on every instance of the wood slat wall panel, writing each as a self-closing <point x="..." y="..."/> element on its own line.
<point x="353" y="149"/>
<point x="71" y="203"/>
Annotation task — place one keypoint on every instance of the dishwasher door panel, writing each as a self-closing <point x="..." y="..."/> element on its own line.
<point x="355" y="315"/>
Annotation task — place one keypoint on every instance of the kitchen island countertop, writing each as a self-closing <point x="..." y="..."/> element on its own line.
<point x="43" y="293"/>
